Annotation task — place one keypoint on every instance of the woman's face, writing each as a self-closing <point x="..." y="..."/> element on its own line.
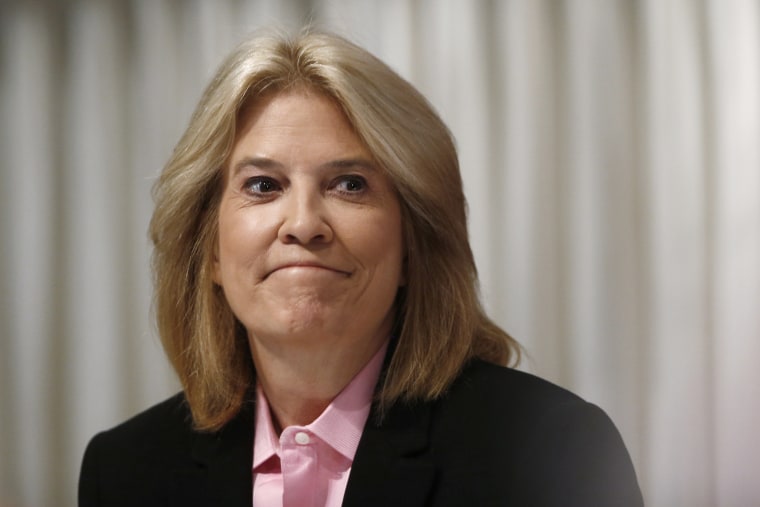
<point x="310" y="248"/>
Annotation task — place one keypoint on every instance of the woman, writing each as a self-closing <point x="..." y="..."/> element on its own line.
<point x="316" y="294"/>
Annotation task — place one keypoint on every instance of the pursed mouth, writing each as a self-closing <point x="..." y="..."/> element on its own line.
<point x="306" y="266"/>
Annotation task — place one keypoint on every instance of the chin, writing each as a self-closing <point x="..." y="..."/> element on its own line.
<point x="292" y="323"/>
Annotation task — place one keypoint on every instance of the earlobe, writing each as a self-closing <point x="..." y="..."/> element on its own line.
<point x="216" y="275"/>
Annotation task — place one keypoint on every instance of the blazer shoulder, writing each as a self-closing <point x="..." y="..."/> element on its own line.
<point x="161" y="434"/>
<point x="493" y="385"/>
<point x="158" y="458"/>
<point x="130" y="463"/>
<point x="170" y="418"/>
<point x="551" y="446"/>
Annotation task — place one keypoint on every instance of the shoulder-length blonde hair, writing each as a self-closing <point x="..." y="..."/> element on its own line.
<point x="440" y="322"/>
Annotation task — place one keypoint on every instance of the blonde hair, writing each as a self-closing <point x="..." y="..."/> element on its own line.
<point x="440" y="323"/>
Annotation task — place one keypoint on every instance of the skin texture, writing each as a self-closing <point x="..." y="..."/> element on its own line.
<point x="310" y="250"/>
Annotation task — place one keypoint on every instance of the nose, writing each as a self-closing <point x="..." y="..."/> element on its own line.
<point x="304" y="219"/>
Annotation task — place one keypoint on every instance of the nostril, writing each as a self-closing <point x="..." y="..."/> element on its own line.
<point x="305" y="226"/>
<point x="304" y="239"/>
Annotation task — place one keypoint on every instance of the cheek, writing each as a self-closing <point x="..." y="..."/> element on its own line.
<point x="386" y="246"/>
<point x="236" y="244"/>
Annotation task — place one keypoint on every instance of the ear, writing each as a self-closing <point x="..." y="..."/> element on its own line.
<point x="215" y="275"/>
<point x="216" y="268"/>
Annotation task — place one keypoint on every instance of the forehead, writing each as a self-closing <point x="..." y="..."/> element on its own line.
<point x="295" y="123"/>
<point x="291" y="104"/>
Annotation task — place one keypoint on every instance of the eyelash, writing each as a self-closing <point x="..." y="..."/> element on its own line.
<point x="274" y="186"/>
<point x="261" y="180"/>
<point x="351" y="179"/>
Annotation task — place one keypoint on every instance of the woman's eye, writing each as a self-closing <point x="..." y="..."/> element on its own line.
<point x="351" y="184"/>
<point x="261" y="185"/>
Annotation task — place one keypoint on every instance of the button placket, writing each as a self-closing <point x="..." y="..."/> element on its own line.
<point x="299" y="468"/>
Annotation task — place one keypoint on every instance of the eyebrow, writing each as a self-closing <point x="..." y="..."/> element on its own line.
<point x="263" y="162"/>
<point x="268" y="163"/>
<point x="347" y="163"/>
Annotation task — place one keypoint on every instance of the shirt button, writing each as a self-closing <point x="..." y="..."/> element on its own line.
<point x="302" y="438"/>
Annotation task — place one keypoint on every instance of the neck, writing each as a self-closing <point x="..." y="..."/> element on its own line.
<point x="300" y="383"/>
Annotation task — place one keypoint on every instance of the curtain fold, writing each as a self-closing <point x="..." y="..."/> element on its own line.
<point x="609" y="152"/>
<point x="679" y="421"/>
<point x="733" y="41"/>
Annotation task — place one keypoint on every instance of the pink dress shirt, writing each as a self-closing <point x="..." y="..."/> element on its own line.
<point x="308" y="466"/>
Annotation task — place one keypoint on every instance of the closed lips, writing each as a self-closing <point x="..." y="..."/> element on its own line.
<point x="307" y="265"/>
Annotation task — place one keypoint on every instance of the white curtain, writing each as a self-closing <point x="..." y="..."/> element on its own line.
<point x="611" y="156"/>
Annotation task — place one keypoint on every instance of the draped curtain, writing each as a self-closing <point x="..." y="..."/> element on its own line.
<point x="610" y="151"/>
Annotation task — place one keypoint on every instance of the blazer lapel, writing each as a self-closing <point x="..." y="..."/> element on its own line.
<point x="392" y="466"/>
<point x="222" y="472"/>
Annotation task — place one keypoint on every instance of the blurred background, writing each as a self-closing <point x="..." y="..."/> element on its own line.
<point x="610" y="151"/>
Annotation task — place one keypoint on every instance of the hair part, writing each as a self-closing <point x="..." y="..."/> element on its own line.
<point x="440" y="323"/>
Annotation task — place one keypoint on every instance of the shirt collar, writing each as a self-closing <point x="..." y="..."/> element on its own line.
<point x="265" y="443"/>
<point x="340" y="425"/>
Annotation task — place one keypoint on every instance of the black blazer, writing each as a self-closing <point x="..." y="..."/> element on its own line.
<point x="498" y="437"/>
